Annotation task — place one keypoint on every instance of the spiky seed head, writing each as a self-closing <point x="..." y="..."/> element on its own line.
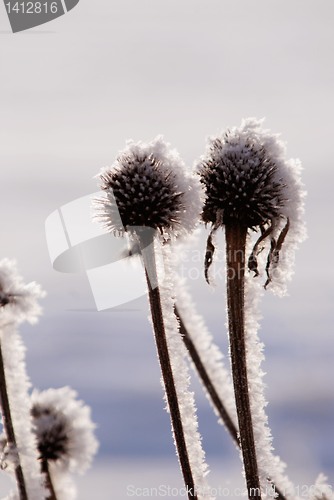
<point x="63" y="428"/>
<point x="242" y="182"/>
<point x="248" y="181"/>
<point x="148" y="185"/>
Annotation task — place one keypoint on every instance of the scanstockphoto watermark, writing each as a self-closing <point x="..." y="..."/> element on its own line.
<point x="168" y="491"/>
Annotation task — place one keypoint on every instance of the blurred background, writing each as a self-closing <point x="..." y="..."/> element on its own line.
<point x="72" y="92"/>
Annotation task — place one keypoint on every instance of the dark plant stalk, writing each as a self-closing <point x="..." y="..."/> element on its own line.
<point x="48" y="480"/>
<point x="206" y="380"/>
<point x="9" y="428"/>
<point x="146" y="246"/>
<point x="235" y="235"/>
<point x="209" y="386"/>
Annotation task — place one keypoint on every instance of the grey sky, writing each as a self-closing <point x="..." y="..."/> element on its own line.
<point x="73" y="91"/>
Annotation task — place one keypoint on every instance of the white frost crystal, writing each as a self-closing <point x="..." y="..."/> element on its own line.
<point x="270" y="465"/>
<point x="18" y="302"/>
<point x="178" y="355"/>
<point x="210" y="354"/>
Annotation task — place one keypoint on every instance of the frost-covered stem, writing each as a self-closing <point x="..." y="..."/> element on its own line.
<point x="48" y="480"/>
<point x="9" y="428"/>
<point x="235" y="235"/>
<point x="211" y="390"/>
<point x="146" y="241"/>
<point x="204" y="376"/>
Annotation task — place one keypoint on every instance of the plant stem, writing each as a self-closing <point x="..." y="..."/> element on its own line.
<point x="209" y="386"/>
<point x="9" y="428"/>
<point x="147" y="249"/>
<point x="235" y="235"/>
<point x="206" y="380"/>
<point x="48" y="480"/>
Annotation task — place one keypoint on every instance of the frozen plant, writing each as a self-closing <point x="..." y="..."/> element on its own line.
<point x="18" y="302"/>
<point x="250" y="186"/>
<point x="321" y="490"/>
<point x="206" y="357"/>
<point x="150" y="195"/>
<point x="148" y="186"/>
<point x="65" y="436"/>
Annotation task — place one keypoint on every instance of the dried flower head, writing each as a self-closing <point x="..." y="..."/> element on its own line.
<point x="249" y="182"/>
<point x="18" y="302"/>
<point x="64" y="430"/>
<point x="148" y="185"/>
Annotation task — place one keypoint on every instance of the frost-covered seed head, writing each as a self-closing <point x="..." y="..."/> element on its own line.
<point x="18" y="302"/>
<point x="242" y="181"/>
<point x="148" y="185"/>
<point x="64" y="430"/>
<point x="249" y="182"/>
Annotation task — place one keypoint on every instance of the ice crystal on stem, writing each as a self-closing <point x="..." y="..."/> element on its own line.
<point x="321" y="490"/>
<point x="207" y="358"/>
<point x="18" y="303"/>
<point x="151" y="195"/>
<point x="250" y="186"/>
<point x="270" y="465"/>
<point x="8" y="455"/>
<point x="181" y="375"/>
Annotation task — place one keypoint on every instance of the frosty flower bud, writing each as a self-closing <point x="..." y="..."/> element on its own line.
<point x="248" y="182"/>
<point x="18" y="302"/>
<point x="148" y="185"/>
<point x="64" y="430"/>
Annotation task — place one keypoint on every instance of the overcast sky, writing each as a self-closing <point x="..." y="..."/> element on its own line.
<point x="72" y="92"/>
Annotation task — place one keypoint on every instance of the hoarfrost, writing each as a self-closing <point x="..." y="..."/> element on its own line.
<point x="178" y="355"/>
<point x="18" y="386"/>
<point x="210" y="354"/>
<point x="270" y="465"/>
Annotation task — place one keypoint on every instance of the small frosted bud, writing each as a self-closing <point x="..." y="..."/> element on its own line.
<point x="18" y="301"/>
<point x="64" y="430"/>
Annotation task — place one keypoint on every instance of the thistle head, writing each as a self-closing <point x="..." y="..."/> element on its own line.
<point x="248" y="182"/>
<point x="243" y="183"/>
<point x="63" y="428"/>
<point x="148" y="185"/>
<point x="18" y="301"/>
